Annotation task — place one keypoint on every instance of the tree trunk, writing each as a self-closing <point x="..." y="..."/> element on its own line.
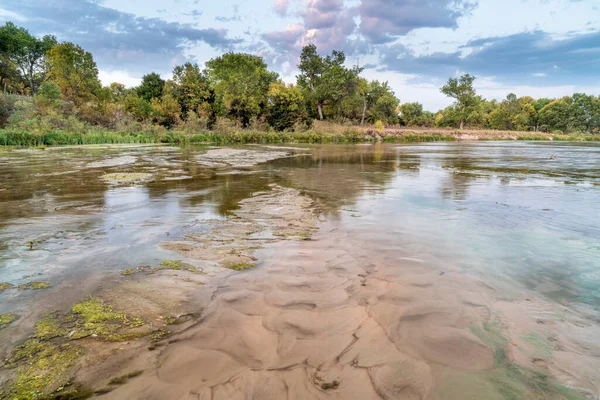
<point x="320" y="108"/>
<point x="362" y="120"/>
<point x="462" y="124"/>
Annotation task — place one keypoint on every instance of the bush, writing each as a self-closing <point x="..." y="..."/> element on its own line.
<point x="379" y="127"/>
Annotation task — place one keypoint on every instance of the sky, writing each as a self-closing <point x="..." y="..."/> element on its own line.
<point x="540" y="48"/>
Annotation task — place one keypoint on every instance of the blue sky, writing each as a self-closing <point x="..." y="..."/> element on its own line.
<point x="529" y="47"/>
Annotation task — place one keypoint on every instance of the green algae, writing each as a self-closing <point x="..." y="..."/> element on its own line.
<point x="34" y="285"/>
<point x="7" y="319"/>
<point x="176" y="265"/>
<point x="43" y="369"/>
<point x="129" y="271"/>
<point x="543" y="346"/>
<point x="45" y="363"/>
<point x="508" y="380"/>
<point x="49" y="328"/>
<point x="135" y="270"/>
<point x="6" y="285"/>
<point x="239" y="266"/>
<point x="124" y="378"/>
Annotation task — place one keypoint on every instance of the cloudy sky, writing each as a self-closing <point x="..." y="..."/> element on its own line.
<point x="530" y="47"/>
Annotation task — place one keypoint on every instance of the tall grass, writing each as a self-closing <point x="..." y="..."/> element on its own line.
<point x="23" y="138"/>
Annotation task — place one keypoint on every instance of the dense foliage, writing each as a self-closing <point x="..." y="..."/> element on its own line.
<point x="52" y="88"/>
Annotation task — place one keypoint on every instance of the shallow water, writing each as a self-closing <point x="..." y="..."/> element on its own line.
<point x="524" y="218"/>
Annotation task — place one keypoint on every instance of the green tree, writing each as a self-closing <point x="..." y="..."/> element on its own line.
<point x="241" y="82"/>
<point x="466" y="100"/>
<point x="48" y="96"/>
<point x="325" y="79"/>
<point x="151" y="87"/>
<point x="140" y="108"/>
<point x="26" y="53"/>
<point x="192" y="90"/>
<point x="555" y="115"/>
<point x="285" y="106"/>
<point x="166" y="109"/>
<point x="74" y="71"/>
<point x="411" y="114"/>
<point x="584" y="113"/>
<point x="513" y="114"/>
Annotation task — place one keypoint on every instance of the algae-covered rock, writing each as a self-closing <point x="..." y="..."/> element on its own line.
<point x="46" y="362"/>
<point x="176" y="265"/>
<point x="34" y="286"/>
<point x="6" y="285"/>
<point x="239" y="266"/>
<point x="7" y="319"/>
<point x="127" y="177"/>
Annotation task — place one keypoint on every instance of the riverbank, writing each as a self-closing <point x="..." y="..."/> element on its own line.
<point x="321" y="133"/>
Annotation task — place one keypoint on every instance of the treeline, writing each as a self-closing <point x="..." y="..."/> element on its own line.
<point x="55" y="85"/>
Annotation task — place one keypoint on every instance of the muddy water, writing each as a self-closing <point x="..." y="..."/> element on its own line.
<point x="463" y="270"/>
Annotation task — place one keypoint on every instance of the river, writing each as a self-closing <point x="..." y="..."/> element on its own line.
<point x="443" y="270"/>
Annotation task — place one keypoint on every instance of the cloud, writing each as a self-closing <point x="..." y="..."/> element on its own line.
<point x="234" y="17"/>
<point x="384" y="20"/>
<point x="117" y="40"/>
<point x="513" y="58"/>
<point x="281" y="7"/>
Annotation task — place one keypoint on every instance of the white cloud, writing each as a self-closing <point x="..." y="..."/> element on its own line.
<point x="108" y="77"/>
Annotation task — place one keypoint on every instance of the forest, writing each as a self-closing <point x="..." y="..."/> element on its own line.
<point x="51" y="93"/>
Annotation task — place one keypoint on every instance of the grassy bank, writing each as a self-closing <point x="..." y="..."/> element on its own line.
<point x="321" y="133"/>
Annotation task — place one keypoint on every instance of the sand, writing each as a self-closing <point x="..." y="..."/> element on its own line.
<point x="330" y="318"/>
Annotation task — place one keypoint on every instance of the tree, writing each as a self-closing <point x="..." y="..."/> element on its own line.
<point x="555" y="115"/>
<point x="325" y="80"/>
<point x="27" y="53"/>
<point x="118" y="91"/>
<point x="462" y="91"/>
<point x="48" y="95"/>
<point x="411" y="113"/>
<point x="192" y="90"/>
<point x="241" y="81"/>
<point x="285" y="106"/>
<point x="74" y="71"/>
<point x="166" y="109"/>
<point x="151" y="87"/>
<point x="513" y="114"/>
<point x="584" y="113"/>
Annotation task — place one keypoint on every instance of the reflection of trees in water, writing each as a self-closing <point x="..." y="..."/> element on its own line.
<point x="455" y="185"/>
<point x="34" y="186"/>
<point x="335" y="176"/>
<point x="332" y="175"/>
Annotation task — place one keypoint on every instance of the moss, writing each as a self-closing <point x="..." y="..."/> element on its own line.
<point x="129" y="271"/>
<point x="124" y="378"/>
<point x="135" y="270"/>
<point x="45" y="368"/>
<point x="159" y="334"/>
<point x="7" y="319"/>
<point x="95" y="318"/>
<point x="176" y="265"/>
<point x="239" y="266"/>
<point x="6" y="285"/>
<point x="46" y="362"/>
<point x="49" y="328"/>
<point x="34" y="285"/>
